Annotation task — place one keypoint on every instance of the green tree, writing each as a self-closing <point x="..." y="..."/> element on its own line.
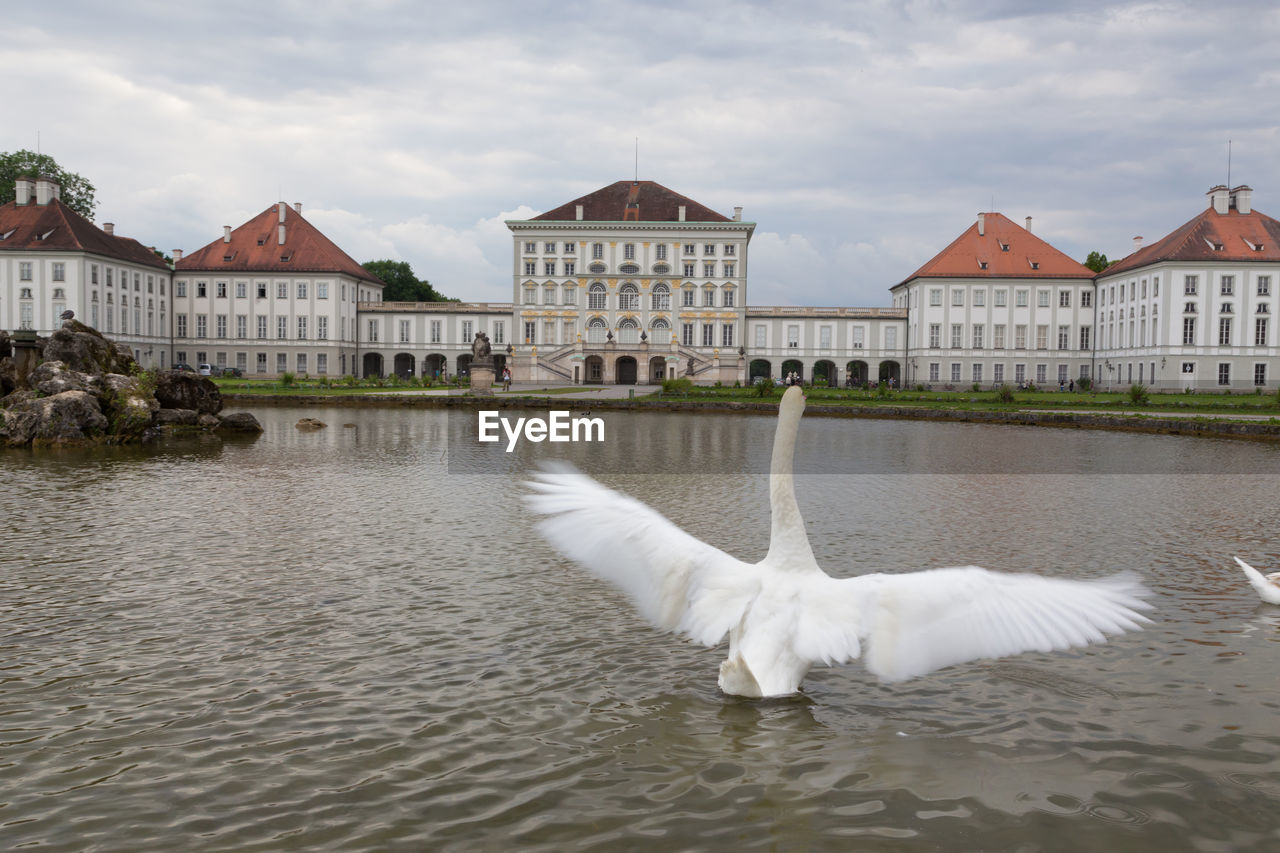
<point x="402" y="284"/>
<point x="76" y="192"/>
<point x="1097" y="261"/>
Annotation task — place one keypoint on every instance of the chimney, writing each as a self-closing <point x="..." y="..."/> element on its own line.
<point x="577" y="210"/>
<point x="1028" y="224"/>
<point x="1137" y="242"/>
<point x="226" y="233"/>
<point x="177" y="255"/>
<point x="109" y="227"/>
<point x="1219" y="198"/>
<point x="681" y="216"/>
<point x="280" y="234"/>
<point x="982" y="224"/>
<point x="1242" y="198"/>
<point x="297" y="207"/>
<point x="25" y="188"/>
<point x="46" y="190"/>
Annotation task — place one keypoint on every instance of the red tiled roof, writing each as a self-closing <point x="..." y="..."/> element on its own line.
<point x="1027" y="256"/>
<point x="643" y="201"/>
<point x="1198" y="240"/>
<point x="55" y="227"/>
<point x="254" y="247"/>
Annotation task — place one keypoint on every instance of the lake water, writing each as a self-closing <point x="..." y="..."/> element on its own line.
<point x="353" y="639"/>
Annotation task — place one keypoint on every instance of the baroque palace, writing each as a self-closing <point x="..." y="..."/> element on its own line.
<point x="635" y="283"/>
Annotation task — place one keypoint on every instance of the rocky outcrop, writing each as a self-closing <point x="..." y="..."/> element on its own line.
<point x="88" y="389"/>
<point x="178" y="389"/>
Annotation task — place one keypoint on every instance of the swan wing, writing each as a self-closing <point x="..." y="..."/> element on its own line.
<point x="676" y="582"/>
<point x="1268" y="591"/>
<point x="915" y="623"/>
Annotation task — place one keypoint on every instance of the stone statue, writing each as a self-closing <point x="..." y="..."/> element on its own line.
<point x="480" y="350"/>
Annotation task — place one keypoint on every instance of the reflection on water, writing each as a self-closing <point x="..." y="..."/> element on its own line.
<point x="328" y="640"/>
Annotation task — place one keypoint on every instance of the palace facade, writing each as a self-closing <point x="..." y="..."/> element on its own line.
<point x="635" y="283"/>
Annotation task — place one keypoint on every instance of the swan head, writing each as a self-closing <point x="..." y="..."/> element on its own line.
<point x="792" y="402"/>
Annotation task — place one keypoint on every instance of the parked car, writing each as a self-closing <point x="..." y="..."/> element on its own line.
<point x="204" y="369"/>
<point x="182" y="365"/>
<point x="232" y="371"/>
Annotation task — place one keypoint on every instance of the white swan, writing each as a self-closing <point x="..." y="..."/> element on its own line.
<point x="1268" y="586"/>
<point x="784" y="614"/>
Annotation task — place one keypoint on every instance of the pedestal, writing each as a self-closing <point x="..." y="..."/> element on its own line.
<point x="481" y="379"/>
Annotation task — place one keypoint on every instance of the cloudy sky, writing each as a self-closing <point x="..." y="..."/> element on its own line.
<point x="861" y="137"/>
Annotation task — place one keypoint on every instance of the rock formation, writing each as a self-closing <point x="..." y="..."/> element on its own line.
<point x="87" y="389"/>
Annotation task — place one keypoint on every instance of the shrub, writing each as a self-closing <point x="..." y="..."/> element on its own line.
<point x="1084" y="383"/>
<point x="683" y="385"/>
<point x="1138" y="394"/>
<point x="977" y="387"/>
<point x="882" y="390"/>
<point x="288" y="379"/>
<point x="765" y="386"/>
<point x="1005" y="394"/>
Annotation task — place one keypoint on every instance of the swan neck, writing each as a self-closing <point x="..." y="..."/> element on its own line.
<point x="788" y="541"/>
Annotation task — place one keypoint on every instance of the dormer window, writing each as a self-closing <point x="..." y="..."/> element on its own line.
<point x="1035" y="265"/>
<point x="229" y="258"/>
<point x="285" y="258"/>
<point x="1004" y="247"/>
<point x="982" y="265"/>
<point x="8" y="234"/>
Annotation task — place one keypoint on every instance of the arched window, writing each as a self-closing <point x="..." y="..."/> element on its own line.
<point x="597" y="329"/>
<point x="660" y="299"/>
<point x="596" y="295"/>
<point x="659" y="324"/>
<point x="628" y="331"/>
<point x="628" y="297"/>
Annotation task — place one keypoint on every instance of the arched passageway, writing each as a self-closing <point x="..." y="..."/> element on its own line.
<point x="625" y="370"/>
<point x="594" y="370"/>
<point x="403" y="365"/>
<point x="759" y="367"/>
<point x="434" y="365"/>
<point x="795" y="366"/>
<point x="372" y="365"/>
<point x="824" y="373"/>
<point x="891" y="372"/>
<point x="657" y="369"/>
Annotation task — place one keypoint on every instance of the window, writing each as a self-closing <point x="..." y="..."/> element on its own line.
<point x="957" y="336"/>
<point x="282" y="362"/>
<point x="729" y="250"/>
<point x="793" y="337"/>
<point x="1260" y="332"/>
<point x="728" y="270"/>
<point x="997" y="336"/>
<point x="180" y="319"/>
<point x="596" y="295"/>
<point x="997" y="374"/>
<point x="891" y="337"/>
<point x="500" y="329"/>
<point x="686" y="334"/>
<point x="261" y="363"/>
<point x="708" y="335"/>
<point x="726" y="335"/>
<point x="977" y="373"/>
<point x="549" y="268"/>
<point x="1064" y="298"/>
<point x="761" y="337"/>
<point x="978" y="330"/>
<point x="530" y="247"/>
<point x="322" y="363"/>
<point x="404" y="331"/>
<point x="322" y="328"/>
<point x="1042" y="337"/>
<point x="709" y="298"/>
<point x="934" y="368"/>
<point x="202" y="324"/>
<point x="1189" y="308"/>
<point x="687" y="297"/>
<point x="1042" y="373"/>
<point x="660" y="298"/>
<point x="955" y="371"/>
<point x="629" y="251"/>
<point x="859" y="336"/>
<point x="282" y="290"/>
<point x="597" y="251"/>
<point x="549" y="295"/>
<point x="1064" y="337"/>
<point x="282" y="328"/>
<point x="709" y="269"/>
<point x="690" y="249"/>
<point x="1188" y="331"/>
<point x="1020" y="373"/>
<point x="570" y="268"/>
<point x="373" y="331"/>
<point x="1020" y="337"/>
<point x="1020" y="298"/>
<point x="1224" y="331"/>
<point x="690" y="270"/>
<point x="628" y="298"/>
<point x="935" y="296"/>
<point x="93" y="274"/>
<point x="824" y="337"/>
<point x="1042" y="298"/>
<point x="262" y="294"/>
<point x="709" y="249"/>
<point x="1190" y="284"/>
<point x="979" y="298"/>
<point x="24" y="271"/>
<point x="1228" y="285"/>
<point x="109" y="272"/>
<point x="935" y="335"/>
<point x="1264" y="285"/>
<point x="220" y="289"/>
<point x="1002" y="298"/>
<point x="1259" y="374"/>
<point x="262" y="326"/>
<point x="530" y="332"/>
<point x="219" y="325"/>
<point x="530" y="267"/>
<point x="1224" y="374"/>
<point x="59" y="271"/>
<point x="660" y="252"/>
<point x="1086" y="299"/>
<point x="1084" y="337"/>
<point x="957" y="297"/>
<point x="570" y="295"/>
<point x="202" y="287"/>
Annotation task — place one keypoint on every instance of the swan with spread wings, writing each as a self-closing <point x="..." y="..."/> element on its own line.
<point x="784" y="614"/>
